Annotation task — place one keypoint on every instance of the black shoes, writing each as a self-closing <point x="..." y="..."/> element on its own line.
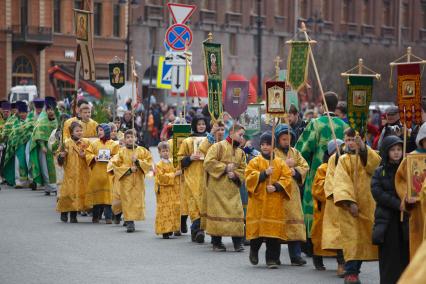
<point x="318" y="262"/>
<point x="199" y="237"/>
<point x="64" y="217"/>
<point x="254" y="257"/>
<point x="177" y="234"/>
<point x="238" y="247"/>
<point x="130" y="226"/>
<point x="219" y="247"/>
<point x="272" y="264"/>
<point x="117" y="219"/>
<point x="167" y="235"/>
<point x="298" y="261"/>
<point x="73" y="217"/>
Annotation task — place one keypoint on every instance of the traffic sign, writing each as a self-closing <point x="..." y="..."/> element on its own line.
<point x="164" y="74"/>
<point x="181" y="12"/>
<point x="178" y="58"/>
<point x="178" y="35"/>
<point x="178" y="79"/>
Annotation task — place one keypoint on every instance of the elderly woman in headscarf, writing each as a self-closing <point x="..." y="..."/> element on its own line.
<point x="99" y="195"/>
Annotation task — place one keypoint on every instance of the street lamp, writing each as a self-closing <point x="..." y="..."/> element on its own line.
<point x="133" y="4"/>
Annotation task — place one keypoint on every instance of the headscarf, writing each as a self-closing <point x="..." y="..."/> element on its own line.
<point x="107" y="131"/>
<point x="194" y="123"/>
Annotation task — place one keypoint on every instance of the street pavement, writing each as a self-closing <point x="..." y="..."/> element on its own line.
<point x="36" y="247"/>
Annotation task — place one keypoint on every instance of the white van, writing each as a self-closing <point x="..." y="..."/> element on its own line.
<point x="23" y="93"/>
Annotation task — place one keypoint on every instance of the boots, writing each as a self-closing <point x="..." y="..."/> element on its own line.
<point x="318" y="262"/>
<point x="117" y="219"/>
<point x="64" y="217"/>
<point x="183" y="225"/>
<point x="73" y="217"/>
<point x="130" y="226"/>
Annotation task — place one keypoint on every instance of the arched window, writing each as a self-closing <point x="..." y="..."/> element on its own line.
<point x="23" y="72"/>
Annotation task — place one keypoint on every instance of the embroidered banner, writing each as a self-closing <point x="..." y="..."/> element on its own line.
<point x="116" y="75"/>
<point x="84" y="37"/>
<point x="180" y="132"/>
<point x="409" y="94"/>
<point x="297" y="64"/>
<point x="213" y="70"/>
<point x="360" y="90"/>
<point x="236" y="97"/>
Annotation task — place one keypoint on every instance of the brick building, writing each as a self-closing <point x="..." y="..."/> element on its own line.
<point x="344" y="29"/>
<point x="38" y="34"/>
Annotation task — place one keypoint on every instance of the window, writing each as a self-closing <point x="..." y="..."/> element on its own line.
<point x="280" y="8"/>
<point x="233" y="48"/>
<point x="209" y="5"/>
<point x="325" y="10"/>
<point x="97" y="17"/>
<point x="366" y="12"/>
<point x="117" y="21"/>
<point x="236" y="6"/>
<point x="281" y="47"/>
<point x="387" y="20"/>
<point x="405" y="15"/>
<point x="303" y="9"/>
<point x="22" y="72"/>
<point x="24" y="13"/>
<point x="78" y="4"/>
<point x="57" y="16"/>
<point x="348" y="11"/>
<point x="424" y="15"/>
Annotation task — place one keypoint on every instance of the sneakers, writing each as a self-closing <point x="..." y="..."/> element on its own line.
<point x="199" y="237"/>
<point x="254" y="257"/>
<point x="64" y="217"/>
<point x="219" y="247"/>
<point x="272" y="264"/>
<point x="298" y="261"/>
<point x="352" y="279"/>
<point x="340" y="270"/>
<point x="130" y="226"/>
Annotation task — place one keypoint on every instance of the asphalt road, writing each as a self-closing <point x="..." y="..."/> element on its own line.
<point x="35" y="247"/>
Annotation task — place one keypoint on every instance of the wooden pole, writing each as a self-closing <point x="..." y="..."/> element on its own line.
<point x="133" y="95"/>
<point x="330" y="121"/>
<point x="76" y="84"/>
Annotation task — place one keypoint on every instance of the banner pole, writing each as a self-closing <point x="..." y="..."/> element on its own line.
<point x="311" y="55"/>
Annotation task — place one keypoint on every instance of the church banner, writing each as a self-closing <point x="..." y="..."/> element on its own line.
<point x="297" y="64"/>
<point x="409" y="94"/>
<point x="360" y="89"/>
<point x="84" y="37"/>
<point x="213" y="70"/>
<point x="236" y="97"/>
<point x="180" y="132"/>
<point x="116" y="75"/>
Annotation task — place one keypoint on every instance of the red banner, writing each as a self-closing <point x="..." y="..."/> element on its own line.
<point x="409" y="96"/>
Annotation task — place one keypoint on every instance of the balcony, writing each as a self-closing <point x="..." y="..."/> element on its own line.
<point x="233" y="19"/>
<point x="31" y="34"/>
<point x="153" y="12"/>
<point x="388" y="32"/>
<point x="350" y="29"/>
<point x="207" y="17"/>
<point x="367" y="31"/>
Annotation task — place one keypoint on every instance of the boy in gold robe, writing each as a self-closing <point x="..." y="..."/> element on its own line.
<point x="99" y="195"/>
<point x="88" y="124"/>
<point x="192" y="165"/>
<point x="410" y="204"/>
<point x="319" y="196"/>
<point x="74" y="187"/>
<point x="167" y="192"/>
<point x="296" y="232"/>
<point x="352" y="193"/>
<point x="269" y="187"/>
<point x="225" y="164"/>
<point x="130" y="166"/>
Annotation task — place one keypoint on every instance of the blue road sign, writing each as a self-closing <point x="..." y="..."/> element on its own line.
<point x="177" y="35"/>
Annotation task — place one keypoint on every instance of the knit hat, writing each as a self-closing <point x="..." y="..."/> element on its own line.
<point x="266" y="138"/>
<point x="5" y="105"/>
<point x="284" y="129"/>
<point x="107" y="130"/>
<point x="331" y="146"/>
<point x="21" y="106"/>
<point x="421" y="135"/>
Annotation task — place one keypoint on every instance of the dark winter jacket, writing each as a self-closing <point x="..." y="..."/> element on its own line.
<point x="384" y="193"/>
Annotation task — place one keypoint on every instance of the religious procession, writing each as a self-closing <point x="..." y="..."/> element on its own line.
<point x="340" y="177"/>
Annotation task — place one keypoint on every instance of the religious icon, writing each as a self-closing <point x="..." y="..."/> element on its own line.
<point x="213" y="64"/>
<point x="408" y="88"/>
<point x="359" y="98"/>
<point x="236" y="92"/>
<point x="117" y="77"/>
<point x="197" y="143"/>
<point x="416" y="172"/>
<point x="275" y="102"/>
<point x="104" y="155"/>
<point x="250" y="119"/>
<point x="81" y="30"/>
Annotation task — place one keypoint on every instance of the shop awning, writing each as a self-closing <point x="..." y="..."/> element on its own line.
<point x="62" y="74"/>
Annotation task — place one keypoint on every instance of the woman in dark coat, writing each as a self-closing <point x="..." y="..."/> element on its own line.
<point x="389" y="233"/>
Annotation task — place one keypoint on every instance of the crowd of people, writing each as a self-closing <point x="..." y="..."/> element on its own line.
<point x="312" y="183"/>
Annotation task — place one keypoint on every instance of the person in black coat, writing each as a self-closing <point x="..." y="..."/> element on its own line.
<point x="389" y="233"/>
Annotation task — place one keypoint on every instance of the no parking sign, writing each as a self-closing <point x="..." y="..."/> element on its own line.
<point x="178" y="35"/>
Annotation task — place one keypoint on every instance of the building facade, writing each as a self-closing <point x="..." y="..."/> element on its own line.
<point x="38" y="34"/>
<point x="377" y="30"/>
